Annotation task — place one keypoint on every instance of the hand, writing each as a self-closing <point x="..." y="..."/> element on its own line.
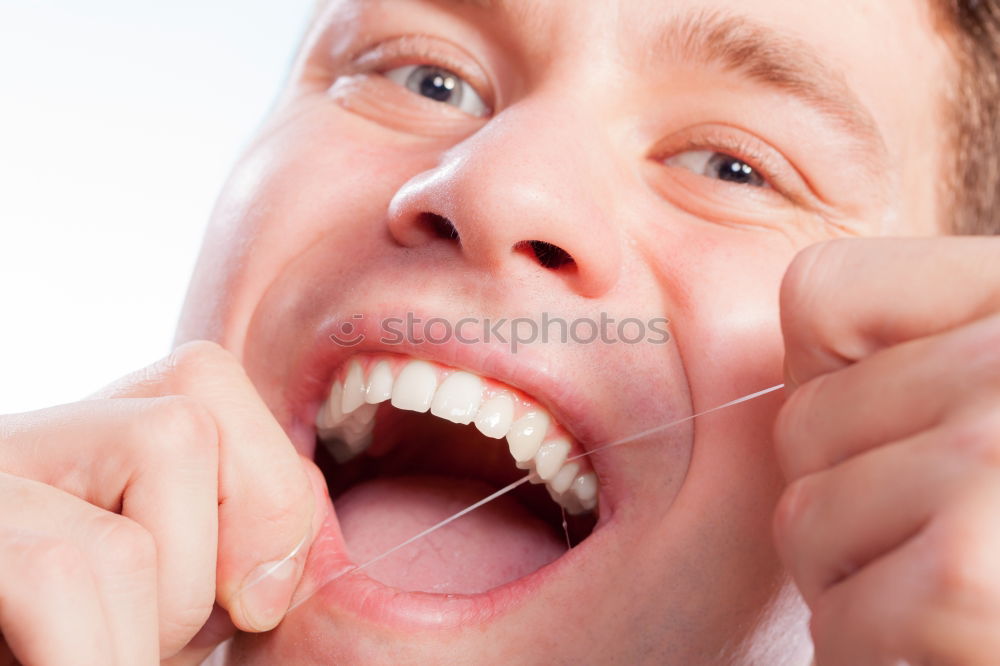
<point x="890" y="440"/>
<point x="125" y="516"/>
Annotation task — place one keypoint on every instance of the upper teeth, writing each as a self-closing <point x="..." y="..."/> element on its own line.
<point x="495" y="416"/>
<point x="346" y="419"/>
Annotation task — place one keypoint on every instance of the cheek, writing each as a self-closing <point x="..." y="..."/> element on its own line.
<point x="313" y="173"/>
<point x="723" y="285"/>
<point x="731" y="339"/>
<point x="726" y="326"/>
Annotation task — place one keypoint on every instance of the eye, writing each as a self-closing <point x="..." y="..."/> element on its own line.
<point x="440" y="85"/>
<point x="712" y="164"/>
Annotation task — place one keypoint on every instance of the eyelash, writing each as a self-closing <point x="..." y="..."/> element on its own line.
<point x="414" y="50"/>
<point x="417" y="49"/>
<point x="742" y="149"/>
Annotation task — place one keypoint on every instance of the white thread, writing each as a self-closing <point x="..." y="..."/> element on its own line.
<point x="274" y="567"/>
<point x="565" y="526"/>
<point x="512" y="486"/>
<point x="659" y="428"/>
<point x="432" y="528"/>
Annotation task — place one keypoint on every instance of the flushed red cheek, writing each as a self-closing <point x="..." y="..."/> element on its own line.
<point x="290" y="190"/>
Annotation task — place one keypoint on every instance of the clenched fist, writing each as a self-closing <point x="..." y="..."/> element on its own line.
<point x="890" y="441"/>
<point x="128" y="515"/>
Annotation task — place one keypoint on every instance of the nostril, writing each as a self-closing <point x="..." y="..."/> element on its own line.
<point x="438" y="225"/>
<point x="548" y="255"/>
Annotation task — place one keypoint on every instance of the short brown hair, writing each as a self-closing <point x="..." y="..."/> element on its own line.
<point x="972" y="174"/>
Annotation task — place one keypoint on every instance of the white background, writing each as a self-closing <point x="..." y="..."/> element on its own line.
<point x="119" y="120"/>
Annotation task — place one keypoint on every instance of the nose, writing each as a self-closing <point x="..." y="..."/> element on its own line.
<point x="526" y="192"/>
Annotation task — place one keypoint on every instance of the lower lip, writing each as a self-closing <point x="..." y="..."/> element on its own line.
<point x="356" y="593"/>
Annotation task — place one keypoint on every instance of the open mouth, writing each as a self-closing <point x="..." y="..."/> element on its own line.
<point x="405" y="442"/>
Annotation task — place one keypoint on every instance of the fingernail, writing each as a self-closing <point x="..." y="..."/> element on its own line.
<point x="268" y="592"/>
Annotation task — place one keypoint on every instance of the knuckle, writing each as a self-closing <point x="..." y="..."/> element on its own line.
<point x="54" y="558"/>
<point x="975" y="349"/>
<point x="978" y="353"/>
<point x="173" y="372"/>
<point x="789" y="428"/>
<point x="280" y="505"/>
<point x="804" y="280"/>
<point x="978" y="438"/>
<point x="183" y="423"/>
<point x="123" y="545"/>
<point x="185" y="623"/>
<point x="199" y="358"/>
<point x="785" y="427"/>
<point x="812" y="303"/>
<point x="988" y="345"/>
<point x="797" y="281"/>
<point x="960" y="570"/>
<point x="16" y="492"/>
<point x="278" y="508"/>
<point x="792" y="511"/>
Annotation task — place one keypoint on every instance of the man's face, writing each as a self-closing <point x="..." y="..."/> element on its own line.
<point x="678" y="155"/>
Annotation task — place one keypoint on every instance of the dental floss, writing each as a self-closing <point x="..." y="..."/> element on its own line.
<point x="277" y="565"/>
<point x="433" y="528"/>
<point x="565" y="526"/>
<point x="301" y="598"/>
<point x="671" y="424"/>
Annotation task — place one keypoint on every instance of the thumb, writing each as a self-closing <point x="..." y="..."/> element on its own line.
<point x="219" y="627"/>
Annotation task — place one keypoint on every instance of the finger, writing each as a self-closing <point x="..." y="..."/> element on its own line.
<point x="265" y="497"/>
<point x="831" y="523"/>
<point x="867" y="618"/>
<point x="153" y="460"/>
<point x="837" y="305"/>
<point x="932" y="600"/>
<point x="888" y="396"/>
<point x="50" y="611"/>
<point x="963" y="581"/>
<point x="79" y="583"/>
<point x="219" y="626"/>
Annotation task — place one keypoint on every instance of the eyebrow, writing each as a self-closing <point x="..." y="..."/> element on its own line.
<point x="762" y="54"/>
<point x="784" y="63"/>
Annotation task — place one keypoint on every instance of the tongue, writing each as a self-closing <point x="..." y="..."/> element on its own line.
<point x="494" y="544"/>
